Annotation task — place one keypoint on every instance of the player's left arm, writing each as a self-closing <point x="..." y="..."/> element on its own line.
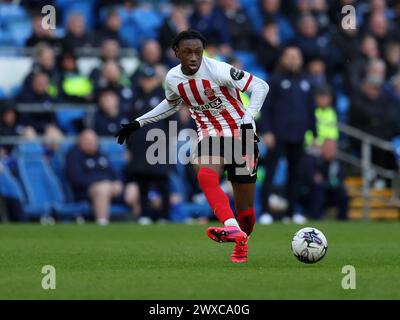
<point x="242" y="80"/>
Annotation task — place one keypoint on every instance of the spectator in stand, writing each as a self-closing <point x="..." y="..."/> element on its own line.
<point x="74" y="87"/>
<point x="111" y="29"/>
<point x="379" y="28"/>
<point x="151" y="55"/>
<point x="269" y="46"/>
<point x="152" y="179"/>
<point x="108" y="118"/>
<point x="320" y="12"/>
<point x="207" y="20"/>
<point x="374" y="112"/>
<point x="287" y="114"/>
<point x="76" y="37"/>
<point x="109" y="51"/>
<point x="392" y="58"/>
<point x="347" y="41"/>
<point x="312" y="44"/>
<point x="43" y="123"/>
<point x="322" y="182"/>
<point x="316" y="69"/>
<point x="271" y="10"/>
<point x="177" y="22"/>
<point x="376" y="69"/>
<point x="45" y="62"/>
<point x="9" y="125"/>
<point x="238" y="25"/>
<point x="393" y="88"/>
<point x="326" y="117"/>
<point x="112" y="78"/>
<point x="40" y="34"/>
<point x="93" y="179"/>
<point x="356" y="71"/>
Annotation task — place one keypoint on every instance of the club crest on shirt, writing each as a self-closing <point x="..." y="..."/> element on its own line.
<point x="209" y="92"/>
<point x="237" y="74"/>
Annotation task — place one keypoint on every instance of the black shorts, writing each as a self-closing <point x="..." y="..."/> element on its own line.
<point x="241" y="167"/>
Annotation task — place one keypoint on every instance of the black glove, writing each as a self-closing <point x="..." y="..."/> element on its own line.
<point x="126" y="130"/>
<point x="248" y="137"/>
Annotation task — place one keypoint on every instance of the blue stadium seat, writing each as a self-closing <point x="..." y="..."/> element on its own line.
<point x="148" y="20"/>
<point x="115" y="152"/>
<point x="396" y="145"/>
<point x="248" y="59"/>
<point x="342" y="106"/>
<point x="15" y="25"/>
<point x="41" y="185"/>
<point x="84" y="7"/>
<point x="259" y="72"/>
<point x="67" y="117"/>
<point x="10" y="187"/>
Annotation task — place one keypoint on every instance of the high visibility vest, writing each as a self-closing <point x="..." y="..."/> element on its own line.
<point x="77" y="86"/>
<point x="326" y="124"/>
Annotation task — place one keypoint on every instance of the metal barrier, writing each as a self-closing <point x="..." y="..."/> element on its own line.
<point x="368" y="169"/>
<point x="89" y="109"/>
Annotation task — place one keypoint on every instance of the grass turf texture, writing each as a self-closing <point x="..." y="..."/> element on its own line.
<point x="127" y="261"/>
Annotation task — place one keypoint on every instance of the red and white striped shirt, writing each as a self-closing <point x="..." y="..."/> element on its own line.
<point x="212" y="96"/>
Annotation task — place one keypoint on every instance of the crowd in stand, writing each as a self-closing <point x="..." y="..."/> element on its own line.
<point x="318" y="73"/>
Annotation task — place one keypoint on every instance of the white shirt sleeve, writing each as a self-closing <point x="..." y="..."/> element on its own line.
<point x="231" y="77"/>
<point x="166" y="108"/>
<point x="171" y="96"/>
<point x="259" y="90"/>
<point x="163" y="110"/>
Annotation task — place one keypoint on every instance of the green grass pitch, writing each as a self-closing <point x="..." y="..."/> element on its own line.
<point x="127" y="261"/>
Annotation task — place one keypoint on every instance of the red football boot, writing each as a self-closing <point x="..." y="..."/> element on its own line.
<point x="227" y="234"/>
<point x="239" y="253"/>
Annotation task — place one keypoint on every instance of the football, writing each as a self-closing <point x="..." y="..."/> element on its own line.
<point x="309" y="245"/>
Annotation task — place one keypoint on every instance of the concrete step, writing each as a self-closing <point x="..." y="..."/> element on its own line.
<point x="375" y="214"/>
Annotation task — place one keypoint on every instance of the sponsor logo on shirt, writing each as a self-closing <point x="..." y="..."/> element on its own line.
<point x="213" y="105"/>
<point x="237" y="74"/>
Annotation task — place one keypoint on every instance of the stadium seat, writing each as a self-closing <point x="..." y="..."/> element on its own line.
<point x="115" y="152"/>
<point x="66" y="119"/>
<point x="259" y="72"/>
<point x="10" y="187"/>
<point x="342" y="106"/>
<point x="42" y="186"/>
<point x="396" y="145"/>
<point x="148" y="20"/>
<point x="15" y="25"/>
<point x="248" y="59"/>
<point x="84" y="7"/>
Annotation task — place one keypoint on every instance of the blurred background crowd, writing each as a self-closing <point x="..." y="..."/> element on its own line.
<point x="67" y="90"/>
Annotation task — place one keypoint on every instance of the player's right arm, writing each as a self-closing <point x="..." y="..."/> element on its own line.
<point x="166" y="108"/>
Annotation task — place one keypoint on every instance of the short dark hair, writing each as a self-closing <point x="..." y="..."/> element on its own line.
<point x="187" y="35"/>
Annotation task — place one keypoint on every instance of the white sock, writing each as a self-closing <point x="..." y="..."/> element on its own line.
<point x="231" y="223"/>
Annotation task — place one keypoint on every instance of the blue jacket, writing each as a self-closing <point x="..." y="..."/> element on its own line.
<point x="288" y="110"/>
<point x="105" y="125"/>
<point x="83" y="170"/>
